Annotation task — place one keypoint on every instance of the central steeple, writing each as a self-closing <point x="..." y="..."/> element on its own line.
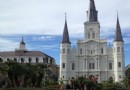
<point x="92" y="12"/>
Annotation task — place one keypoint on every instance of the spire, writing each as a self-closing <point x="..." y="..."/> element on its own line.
<point x="118" y="34"/>
<point x="65" y="38"/>
<point x="92" y="12"/>
<point x="22" y="42"/>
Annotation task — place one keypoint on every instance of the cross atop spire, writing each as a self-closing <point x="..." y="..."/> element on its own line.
<point x="117" y="13"/>
<point x="118" y="34"/>
<point x="92" y="12"/>
<point x="65" y="38"/>
<point x="65" y="16"/>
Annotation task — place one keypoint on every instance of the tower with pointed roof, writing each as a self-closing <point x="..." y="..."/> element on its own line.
<point x="65" y="48"/>
<point x="22" y="45"/>
<point x="92" y="56"/>
<point x="92" y="26"/>
<point x="118" y="46"/>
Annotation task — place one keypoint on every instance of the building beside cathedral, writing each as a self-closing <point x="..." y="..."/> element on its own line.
<point x="92" y="55"/>
<point x="22" y="55"/>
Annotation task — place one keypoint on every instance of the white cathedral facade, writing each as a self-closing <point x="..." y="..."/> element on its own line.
<point x="92" y="55"/>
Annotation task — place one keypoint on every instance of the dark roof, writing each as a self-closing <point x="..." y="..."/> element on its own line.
<point x="118" y="34"/>
<point x="92" y="12"/>
<point x="22" y="42"/>
<point x="23" y="53"/>
<point x="65" y="38"/>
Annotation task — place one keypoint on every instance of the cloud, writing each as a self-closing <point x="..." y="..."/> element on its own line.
<point x="44" y="38"/>
<point x="7" y="44"/>
<point x="47" y="16"/>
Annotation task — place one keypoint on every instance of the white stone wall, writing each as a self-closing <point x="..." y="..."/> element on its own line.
<point x="93" y="50"/>
<point x="118" y="57"/>
<point x="26" y="59"/>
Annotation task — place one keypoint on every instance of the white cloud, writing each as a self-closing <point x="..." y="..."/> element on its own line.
<point x="6" y="44"/>
<point x="47" y="16"/>
<point x="44" y="38"/>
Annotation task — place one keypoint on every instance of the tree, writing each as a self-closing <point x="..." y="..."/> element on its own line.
<point x="4" y="68"/>
<point x="43" y="73"/>
<point x="29" y="74"/>
<point x="16" y="72"/>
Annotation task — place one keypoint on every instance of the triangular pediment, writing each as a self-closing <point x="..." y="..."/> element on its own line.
<point x="93" y="40"/>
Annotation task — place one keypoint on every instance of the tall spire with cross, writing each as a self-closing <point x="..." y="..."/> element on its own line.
<point x="65" y="38"/>
<point x="118" y="34"/>
<point x="92" y="12"/>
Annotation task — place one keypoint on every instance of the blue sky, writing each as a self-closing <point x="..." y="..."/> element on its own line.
<point x="41" y="23"/>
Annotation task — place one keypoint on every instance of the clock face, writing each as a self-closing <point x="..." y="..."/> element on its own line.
<point x="92" y="45"/>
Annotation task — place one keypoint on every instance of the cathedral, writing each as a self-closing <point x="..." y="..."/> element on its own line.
<point x="92" y="55"/>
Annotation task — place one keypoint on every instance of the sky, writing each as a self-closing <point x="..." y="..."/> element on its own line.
<point x="41" y="23"/>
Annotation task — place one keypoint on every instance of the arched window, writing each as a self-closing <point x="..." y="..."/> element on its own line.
<point x="80" y="50"/>
<point x="8" y="59"/>
<point x="93" y="34"/>
<point x="73" y="66"/>
<point x="51" y="61"/>
<point x="15" y="59"/>
<point x="37" y="59"/>
<point x="47" y="58"/>
<point x="63" y="65"/>
<point x="90" y="66"/>
<point x="88" y="35"/>
<point x="119" y="64"/>
<point x="102" y="51"/>
<point x="22" y="60"/>
<point x="97" y="63"/>
<point x="29" y="60"/>
<point x="43" y="60"/>
<point x="93" y="66"/>
<point x="91" y="52"/>
<point x="1" y="60"/>
<point x="119" y="76"/>
<point x="118" y="49"/>
<point x="84" y="63"/>
<point x="110" y="65"/>
<point x="63" y="50"/>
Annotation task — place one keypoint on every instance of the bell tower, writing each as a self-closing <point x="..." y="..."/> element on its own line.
<point x="65" y="48"/>
<point x="92" y="26"/>
<point x="118" y="51"/>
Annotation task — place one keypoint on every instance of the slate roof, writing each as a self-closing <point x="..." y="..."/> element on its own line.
<point x="65" y="38"/>
<point x="92" y="12"/>
<point x="118" y="34"/>
<point x="22" y="42"/>
<point x="23" y="53"/>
